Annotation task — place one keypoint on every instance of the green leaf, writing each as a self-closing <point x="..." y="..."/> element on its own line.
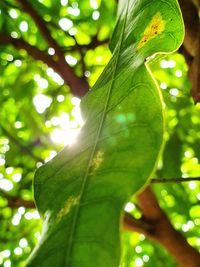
<point x="81" y="193"/>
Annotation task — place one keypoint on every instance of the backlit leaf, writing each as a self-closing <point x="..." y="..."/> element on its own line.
<point x="81" y="193"/>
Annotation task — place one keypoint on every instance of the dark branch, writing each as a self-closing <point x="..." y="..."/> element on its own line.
<point x="130" y="223"/>
<point x="173" y="180"/>
<point x="192" y="43"/>
<point x="31" y="50"/>
<point x="16" y="202"/>
<point x="41" y="25"/>
<point x="134" y="225"/>
<point x="191" y="21"/>
<point x="163" y="231"/>
<point x="194" y="73"/>
<point x="78" y="86"/>
<point x="22" y="147"/>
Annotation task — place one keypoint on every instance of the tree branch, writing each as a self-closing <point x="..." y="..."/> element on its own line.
<point x="78" y="86"/>
<point x="31" y="50"/>
<point x="134" y="225"/>
<point x="194" y="73"/>
<point x="41" y="25"/>
<point x="22" y="147"/>
<point x="173" y="180"/>
<point x="192" y="43"/>
<point x="161" y="230"/>
<point x="191" y="21"/>
<point x="130" y="223"/>
<point x="16" y="202"/>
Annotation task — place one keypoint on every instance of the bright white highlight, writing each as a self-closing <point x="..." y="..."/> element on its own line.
<point x="138" y="249"/>
<point x="163" y="86"/>
<point x="10" y="57"/>
<point x="16" y="219"/>
<point x="145" y="258"/>
<point x="18" y="63"/>
<point x="43" y="83"/>
<point x="2" y="162"/>
<point x="51" y="51"/>
<point x="9" y="170"/>
<point x="18" y="124"/>
<point x="93" y="4"/>
<point x="71" y="60"/>
<point x="32" y="215"/>
<point x="7" y="263"/>
<point x="14" y="35"/>
<point x="55" y="76"/>
<point x="95" y="15"/>
<point x="64" y="2"/>
<point x="76" y="101"/>
<point x="6" y="185"/>
<point x="129" y="207"/>
<point x="192" y="185"/>
<point x="165" y="64"/>
<point x="69" y="128"/>
<point x="23" y="26"/>
<point x="73" y="11"/>
<point x="179" y="73"/>
<point x="13" y="14"/>
<point x="65" y="24"/>
<point x="52" y="155"/>
<point x="174" y="91"/>
<point x="65" y="137"/>
<point x="23" y="243"/>
<point x="21" y="210"/>
<point x="5" y="253"/>
<point x="60" y="98"/>
<point x="18" y="251"/>
<point x="139" y="262"/>
<point x="41" y="102"/>
<point x="185" y="228"/>
<point x="16" y="177"/>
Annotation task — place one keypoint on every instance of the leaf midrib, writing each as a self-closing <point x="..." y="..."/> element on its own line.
<point x="85" y="177"/>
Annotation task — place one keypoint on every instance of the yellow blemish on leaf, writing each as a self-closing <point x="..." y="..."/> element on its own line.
<point x="72" y="201"/>
<point x="97" y="160"/>
<point x="155" y="27"/>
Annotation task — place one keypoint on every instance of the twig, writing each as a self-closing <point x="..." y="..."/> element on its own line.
<point x="191" y="21"/>
<point x="194" y="72"/>
<point x="16" y="202"/>
<point x="135" y="225"/>
<point x="78" y="86"/>
<point x="192" y="43"/>
<point x="164" y="232"/>
<point x="32" y="50"/>
<point x="173" y="180"/>
<point x="23" y="147"/>
<point x="41" y="25"/>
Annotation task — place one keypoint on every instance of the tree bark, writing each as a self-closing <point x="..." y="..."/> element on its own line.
<point x="164" y="233"/>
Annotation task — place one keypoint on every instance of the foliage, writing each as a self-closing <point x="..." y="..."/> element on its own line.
<point x="37" y="109"/>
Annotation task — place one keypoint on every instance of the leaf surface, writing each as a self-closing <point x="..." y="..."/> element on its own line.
<point x="81" y="193"/>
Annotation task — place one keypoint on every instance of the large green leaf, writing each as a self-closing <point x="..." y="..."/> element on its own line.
<point x="81" y="193"/>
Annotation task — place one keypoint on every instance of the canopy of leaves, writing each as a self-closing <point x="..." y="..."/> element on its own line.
<point x="39" y="116"/>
